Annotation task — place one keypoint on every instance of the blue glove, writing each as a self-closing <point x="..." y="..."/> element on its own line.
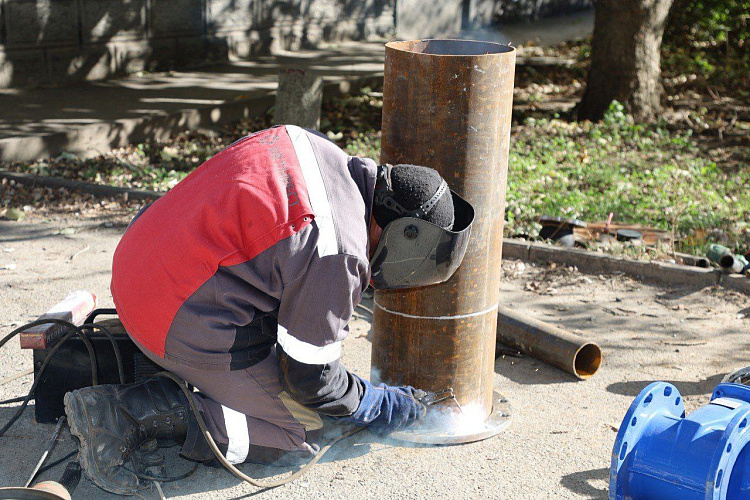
<point x="387" y="409"/>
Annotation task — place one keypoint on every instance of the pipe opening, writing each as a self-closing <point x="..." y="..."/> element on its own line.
<point x="451" y="47"/>
<point x="587" y="360"/>
<point x="726" y="261"/>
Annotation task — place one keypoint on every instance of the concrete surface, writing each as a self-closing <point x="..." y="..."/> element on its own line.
<point x="558" y="445"/>
<point x="90" y="118"/>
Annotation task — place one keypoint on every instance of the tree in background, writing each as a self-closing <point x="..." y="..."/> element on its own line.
<point x="625" y="58"/>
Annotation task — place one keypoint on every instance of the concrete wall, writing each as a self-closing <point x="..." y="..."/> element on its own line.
<point x="429" y="18"/>
<point x="50" y="42"/>
<point x="46" y="42"/>
<point x="440" y="18"/>
<point x="487" y="12"/>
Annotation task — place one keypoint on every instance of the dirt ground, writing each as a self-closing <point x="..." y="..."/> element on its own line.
<point x="557" y="446"/>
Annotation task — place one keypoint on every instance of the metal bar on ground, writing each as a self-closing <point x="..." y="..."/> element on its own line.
<point x="47" y="451"/>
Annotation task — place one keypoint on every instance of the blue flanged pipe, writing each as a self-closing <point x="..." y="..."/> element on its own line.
<point x="662" y="454"/>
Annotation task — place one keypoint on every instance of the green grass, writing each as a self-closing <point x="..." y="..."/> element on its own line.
<point x="643" y="174"/>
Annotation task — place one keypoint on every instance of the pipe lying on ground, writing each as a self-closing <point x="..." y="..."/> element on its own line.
<point x="548" y="343"/>
<point x="733" y="263"/>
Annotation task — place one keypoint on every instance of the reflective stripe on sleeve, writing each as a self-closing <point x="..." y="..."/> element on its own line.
<point x="239" y="437"/>
<point x="307" y="353"/>
<point x="316" y="190"/>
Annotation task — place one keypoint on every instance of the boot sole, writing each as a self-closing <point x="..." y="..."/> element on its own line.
<point x="75" y="409"/>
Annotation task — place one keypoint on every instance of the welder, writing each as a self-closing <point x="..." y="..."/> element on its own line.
<point x="242" y="280"/>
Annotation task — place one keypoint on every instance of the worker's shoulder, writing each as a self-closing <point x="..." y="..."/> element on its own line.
<point x="324" y="145"/>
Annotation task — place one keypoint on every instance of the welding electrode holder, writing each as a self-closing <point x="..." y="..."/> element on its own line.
<point x="447" y="422"/>
<point x="433" y="398"/>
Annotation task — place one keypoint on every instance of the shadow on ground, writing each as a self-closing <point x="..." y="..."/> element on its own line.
<point x="30" y="439"/>
<point x="686" y="388"/>
<point x="530" y="371"/>
<point x="14" y="232"/>
<point x="581" y="483"/>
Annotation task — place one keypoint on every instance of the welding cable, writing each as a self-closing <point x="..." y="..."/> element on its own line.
<point x="56" y="462"/>
<point x="28" y="397"/>
<point x="170" y="479"/>
<point x="47" y="451"/>
<point x="115" y="347"/>
<point x="72" y="330"/>
<point x="12" y="400"/>
<point x="77" y="330"/>
<point x="231" y="468"/>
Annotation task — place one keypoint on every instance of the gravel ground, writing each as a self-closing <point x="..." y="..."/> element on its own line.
<point x="559" y="442"/>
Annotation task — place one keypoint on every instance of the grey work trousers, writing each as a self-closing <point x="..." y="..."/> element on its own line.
<point x="247" y="412"/>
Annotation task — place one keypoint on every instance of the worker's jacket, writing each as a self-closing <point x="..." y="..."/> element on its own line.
<point x="265" y="244"/>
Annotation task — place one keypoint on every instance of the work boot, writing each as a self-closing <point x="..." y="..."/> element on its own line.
<point x="112" y="421"/>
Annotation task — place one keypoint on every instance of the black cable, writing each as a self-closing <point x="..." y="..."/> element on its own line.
<point x="77" y="329"/>
<point x="168" y="479"/>
<point x="231" y="468"/>
<point x="115" y="347"/>
<point x="72" y="330"/>
<point x="56" y="462"/>
<point x="12" y="400"/>
<point x="38" y="379"/>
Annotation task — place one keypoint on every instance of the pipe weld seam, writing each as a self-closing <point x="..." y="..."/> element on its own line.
<point x="457" y="316"/>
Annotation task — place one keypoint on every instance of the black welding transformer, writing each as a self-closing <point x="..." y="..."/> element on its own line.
<point x="70" y="367"/>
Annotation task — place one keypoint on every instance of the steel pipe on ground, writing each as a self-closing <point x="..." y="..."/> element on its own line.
<point x="447" y="105"/>
<point x="548" y="343"/>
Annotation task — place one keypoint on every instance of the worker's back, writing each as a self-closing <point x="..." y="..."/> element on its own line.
<point x="224" y="242"/>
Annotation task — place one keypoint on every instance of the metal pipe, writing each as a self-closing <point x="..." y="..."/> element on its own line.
<point x="733" y="263"/>
<point x="548" y="343"/>
<point x="447" y="105"/>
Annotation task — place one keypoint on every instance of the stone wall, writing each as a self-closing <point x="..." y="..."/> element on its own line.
<point x="45" y="42"/>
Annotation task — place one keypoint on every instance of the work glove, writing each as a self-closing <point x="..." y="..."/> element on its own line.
<point x="387" y="409"/>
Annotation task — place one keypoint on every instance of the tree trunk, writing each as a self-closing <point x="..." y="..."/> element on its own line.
<point x="625" y="58"/>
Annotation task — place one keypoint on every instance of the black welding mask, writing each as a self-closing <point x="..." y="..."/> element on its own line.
<point x="413" y="252"/>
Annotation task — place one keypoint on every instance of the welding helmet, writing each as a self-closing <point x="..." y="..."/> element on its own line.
<point x="414" y="252"/>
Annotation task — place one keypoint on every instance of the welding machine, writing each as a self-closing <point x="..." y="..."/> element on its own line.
<point x="71" y="366"/>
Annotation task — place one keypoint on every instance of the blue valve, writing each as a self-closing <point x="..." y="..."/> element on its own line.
<point x="662" y="454"/>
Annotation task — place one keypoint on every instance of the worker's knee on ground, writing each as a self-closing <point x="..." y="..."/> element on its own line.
<point x="309" y="419"/>
<point x="274" y="456"/>
<point x="264" y="443"/>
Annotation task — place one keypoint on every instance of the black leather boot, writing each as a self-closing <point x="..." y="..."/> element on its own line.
<point x="112" y="421"/>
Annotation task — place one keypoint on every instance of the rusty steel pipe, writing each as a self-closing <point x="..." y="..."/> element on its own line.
<point x="548" y="343"/>
<point x="447" y="105"/>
